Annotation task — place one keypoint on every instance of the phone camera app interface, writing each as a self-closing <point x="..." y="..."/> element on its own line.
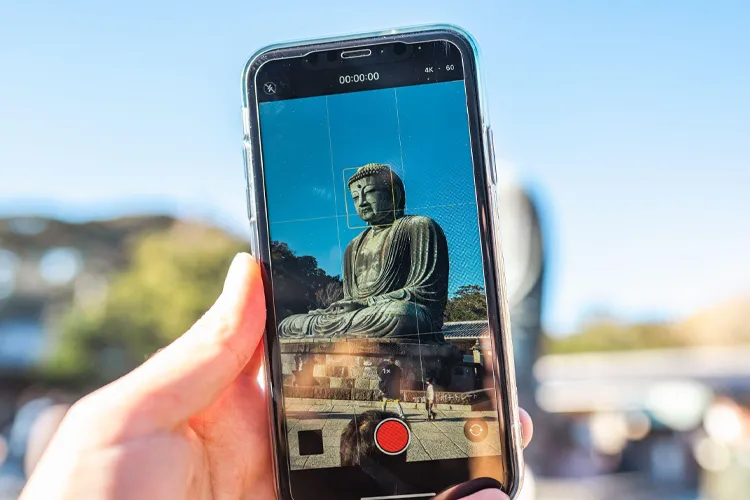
<point x="378" y="277"/>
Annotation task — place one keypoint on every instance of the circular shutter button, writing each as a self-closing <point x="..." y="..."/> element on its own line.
<point x="392" y="436"/>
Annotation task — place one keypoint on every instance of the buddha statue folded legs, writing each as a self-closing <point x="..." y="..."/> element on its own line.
<point x="393" y="319"/>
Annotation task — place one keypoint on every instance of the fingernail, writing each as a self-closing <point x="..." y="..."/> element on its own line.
<point x="488" y="494"/>
<point x="237" y="273"/>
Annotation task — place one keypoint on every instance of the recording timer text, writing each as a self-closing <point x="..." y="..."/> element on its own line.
<point x="360" y="77"/>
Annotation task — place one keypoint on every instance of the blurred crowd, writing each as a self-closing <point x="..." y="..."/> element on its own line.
<point x="36" y="414"/>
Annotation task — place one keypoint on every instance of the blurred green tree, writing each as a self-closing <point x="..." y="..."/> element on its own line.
<point x="173" y="278"/>
<point x="468" y="304"/>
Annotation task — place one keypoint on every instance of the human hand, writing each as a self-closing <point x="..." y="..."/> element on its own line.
<point x="190" y="423"/>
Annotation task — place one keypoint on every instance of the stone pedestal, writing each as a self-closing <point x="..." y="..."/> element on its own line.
<point x="347" y="368"/>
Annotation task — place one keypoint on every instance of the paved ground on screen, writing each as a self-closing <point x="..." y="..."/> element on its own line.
<point x="431" y="440"/>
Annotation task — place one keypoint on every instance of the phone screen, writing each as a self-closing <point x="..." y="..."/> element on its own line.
<point x="377" y="273"/>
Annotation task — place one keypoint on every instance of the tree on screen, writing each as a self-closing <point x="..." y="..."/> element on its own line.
<point x="330" y="293"/>
<point x="468" y="304"/>
<point x="299" y="284"/>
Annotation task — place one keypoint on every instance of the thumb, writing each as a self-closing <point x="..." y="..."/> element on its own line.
<point x="190" y="374"/>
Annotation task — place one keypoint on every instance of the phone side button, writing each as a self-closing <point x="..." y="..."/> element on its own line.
<point x="253" y="223"/>
<point x="251" y="215"/>
<point x="490" y="138"/>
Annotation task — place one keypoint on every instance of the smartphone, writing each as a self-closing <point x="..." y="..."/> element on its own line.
<point x="371" y="196"/>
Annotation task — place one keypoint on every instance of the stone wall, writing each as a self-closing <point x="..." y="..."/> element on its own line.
<point x="480" y="400"/>
<point x="347" y="368"/>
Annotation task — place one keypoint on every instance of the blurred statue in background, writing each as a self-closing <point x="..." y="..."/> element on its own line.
<point x="524" y="256"/>
<point x="31" y="430"/>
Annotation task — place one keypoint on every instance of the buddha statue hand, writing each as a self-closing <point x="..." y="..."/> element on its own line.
<point x="344" y="306"/>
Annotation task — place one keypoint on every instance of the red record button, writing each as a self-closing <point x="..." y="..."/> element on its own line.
<point x="392" y="436"/>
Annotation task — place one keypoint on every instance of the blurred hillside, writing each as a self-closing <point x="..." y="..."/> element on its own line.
<point x="725" y="324"/>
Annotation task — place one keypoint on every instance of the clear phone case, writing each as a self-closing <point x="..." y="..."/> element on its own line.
<point x="256" y="208"/>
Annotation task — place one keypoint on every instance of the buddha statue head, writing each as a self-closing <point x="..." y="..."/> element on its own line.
<point x="378" y="194"/>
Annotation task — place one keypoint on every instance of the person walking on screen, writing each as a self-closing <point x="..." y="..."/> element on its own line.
<point x="430" y="400"/>
<point x="390" y="384"/>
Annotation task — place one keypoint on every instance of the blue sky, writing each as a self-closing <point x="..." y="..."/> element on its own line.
<point x="312" y="145"/>
<point x="630" y="119"/>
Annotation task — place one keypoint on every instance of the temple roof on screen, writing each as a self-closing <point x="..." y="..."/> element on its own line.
<point x="459" y="330"/>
